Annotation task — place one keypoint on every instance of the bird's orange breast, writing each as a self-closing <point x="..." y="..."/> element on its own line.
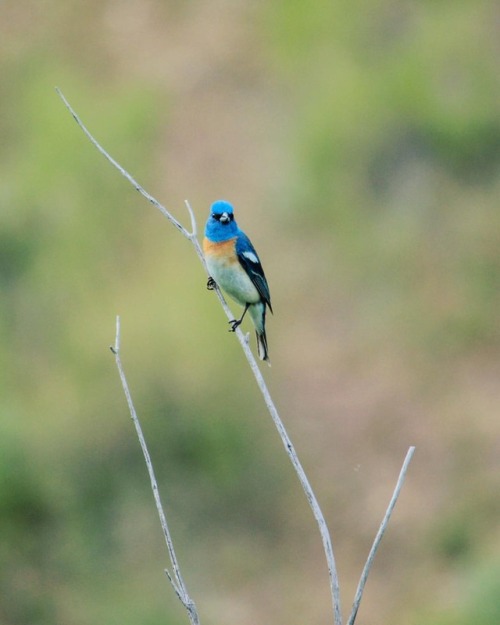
<point x="220" y="250"/>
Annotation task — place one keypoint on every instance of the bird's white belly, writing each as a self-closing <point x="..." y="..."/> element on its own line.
<point x="234" y="281"/>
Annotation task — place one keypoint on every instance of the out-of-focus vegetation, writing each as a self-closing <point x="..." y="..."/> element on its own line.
<point x="360" y="143"/>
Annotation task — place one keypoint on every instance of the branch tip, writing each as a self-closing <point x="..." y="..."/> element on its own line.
<point x="116" y="348"/>
<point x="193" y="219"/>
<point x="123" y="171"/>
<point x="378" y="537"/>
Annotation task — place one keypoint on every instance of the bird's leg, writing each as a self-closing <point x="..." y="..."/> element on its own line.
<point x="236" y="322"/>
<point x="211" y="284"/>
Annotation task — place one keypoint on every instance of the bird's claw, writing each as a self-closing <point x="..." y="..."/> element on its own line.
<point x="211" y="284"/>
<point x="234" y="324"/>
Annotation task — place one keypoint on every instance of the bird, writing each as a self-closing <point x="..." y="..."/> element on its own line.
<point x="234" y="265"/>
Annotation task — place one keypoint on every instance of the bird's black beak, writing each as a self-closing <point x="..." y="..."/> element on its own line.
<point x="224" y="218"/>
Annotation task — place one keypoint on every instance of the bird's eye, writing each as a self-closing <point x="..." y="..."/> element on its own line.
<point x="224" y="218"/>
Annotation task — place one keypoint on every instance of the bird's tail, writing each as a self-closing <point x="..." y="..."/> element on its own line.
<point x="262" y="346"/>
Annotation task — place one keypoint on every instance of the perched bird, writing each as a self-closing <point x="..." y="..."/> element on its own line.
<point x="233" y="264"/>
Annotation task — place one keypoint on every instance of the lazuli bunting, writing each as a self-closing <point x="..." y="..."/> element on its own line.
<point x="233" y="264"/>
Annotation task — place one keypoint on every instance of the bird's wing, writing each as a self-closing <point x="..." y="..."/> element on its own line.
<point x="250" y="262"/>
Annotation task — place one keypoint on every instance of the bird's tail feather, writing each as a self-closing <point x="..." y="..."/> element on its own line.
<point x="262" y="347"/>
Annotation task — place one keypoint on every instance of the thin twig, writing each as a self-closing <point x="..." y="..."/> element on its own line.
<point x="311" y="497"/>
<point x="194" y="230"/>
<point x="378" y="537"/>
<point x="122" y="171"/>
<point x="175" y="579"/>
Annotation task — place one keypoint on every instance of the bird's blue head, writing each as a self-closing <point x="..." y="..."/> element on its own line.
<point x="220" y="224"/>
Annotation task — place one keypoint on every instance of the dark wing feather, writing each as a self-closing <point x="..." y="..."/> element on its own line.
<point x="253" y="269"/>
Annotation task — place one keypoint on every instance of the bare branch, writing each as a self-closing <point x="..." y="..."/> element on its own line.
<point x="290" y="450"/>
<point x="378" y="537"/>
<point x="122" y="171"/>
<point x="311" y="497"/>
<point x="192" y="236"/>
<point x="176" y="580"/>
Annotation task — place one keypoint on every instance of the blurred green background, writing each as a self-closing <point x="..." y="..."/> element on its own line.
<point x="360" y="145"/>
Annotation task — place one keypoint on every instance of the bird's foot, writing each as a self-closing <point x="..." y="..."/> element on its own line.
<point x="234" y="324"/>
<point x="211" y="284"/>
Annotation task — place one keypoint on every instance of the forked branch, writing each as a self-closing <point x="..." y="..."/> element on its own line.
<point x="176" y="578"/>
<point x="311" y="498"/>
